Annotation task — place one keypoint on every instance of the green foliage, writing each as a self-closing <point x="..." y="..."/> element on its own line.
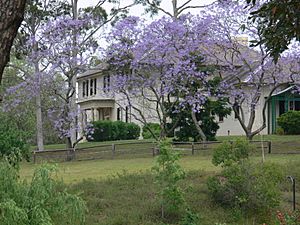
<point x="106" y="130"/>
<point x="168" y="173"/>
<point x="206" y="116"/>
<point x="287" y="218"/>
<point x="190" y="218"/>
<point x="278" y="25"/>
<point x="44" y="201"/>
<point x="290" y="122"/>
<point x="279" y="131"/>
<point x="13" y="144"/>
<point x="232" y="152"/>
<point x="244" y="185"/>
<point x="154" y="127"/>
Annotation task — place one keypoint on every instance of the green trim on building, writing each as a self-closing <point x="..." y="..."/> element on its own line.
<point x="287" y="97"/>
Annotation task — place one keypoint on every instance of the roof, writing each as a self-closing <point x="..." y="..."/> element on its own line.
<point x="284" y="90"/>
<point x="93" y="71"/>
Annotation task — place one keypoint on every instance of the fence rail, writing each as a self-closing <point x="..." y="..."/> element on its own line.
<point x="129" y="150"/>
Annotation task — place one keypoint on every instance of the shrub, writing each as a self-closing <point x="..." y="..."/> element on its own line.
<point x="13" y="145"/>
<point x="154" y="127"/>
<point x="231" y="152"/>
<point x="43" y="201"/>
<point x="102" y="130"/>
<point x="290" y="122"/>
<point x="279" y="131"/>
<point x="105" y="130"/>
<point x="133" y="131"/>
<point x="168" y="173"/>
<point x="244" y="185"/>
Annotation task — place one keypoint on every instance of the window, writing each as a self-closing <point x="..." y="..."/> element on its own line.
<point x="87" y="88"/>
<point x="106" y="83"/>
<point x="221" y="118"/>
<point x="91" y="86"/>
<point x="119" y="114"/>
<point x="83" y="88"/>
<point x="127" y="114"/>
<point x="95" y="86"/>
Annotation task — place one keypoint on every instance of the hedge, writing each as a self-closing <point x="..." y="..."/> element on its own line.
<point x="154" y="127"/>
<point x="105" y="130"/>
<point x="290" y="122"/>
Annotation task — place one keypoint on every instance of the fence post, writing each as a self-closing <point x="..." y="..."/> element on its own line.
<point x="193" y="148"/>
<point x="269" y="147"/>
<point x="113" y="148"/>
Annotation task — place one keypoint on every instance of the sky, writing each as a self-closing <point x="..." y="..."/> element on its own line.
<point x="139" y="10"/>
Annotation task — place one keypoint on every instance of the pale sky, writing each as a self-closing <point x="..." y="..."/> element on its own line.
<point x="139" y="10"/>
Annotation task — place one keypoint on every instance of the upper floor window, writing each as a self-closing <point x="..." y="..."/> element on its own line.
<point x="106" y="83"/>
<point x="83" y="89"/>
<point x="119" y="113"/>
<point x="89" y="87"/>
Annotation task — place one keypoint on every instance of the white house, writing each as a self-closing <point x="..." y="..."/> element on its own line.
<point x="97" y="101"/>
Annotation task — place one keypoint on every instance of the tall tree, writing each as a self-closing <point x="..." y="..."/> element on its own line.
<point x="153" y="65"/>
<point x="37" y="13"/>
<point x="11" y="16"/>
<point x="249" y="73"/>
<point x="279" y="24"/>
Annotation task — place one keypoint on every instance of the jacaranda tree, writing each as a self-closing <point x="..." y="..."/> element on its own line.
<point x="248" y="71"/>
<point x="154" y="63"/>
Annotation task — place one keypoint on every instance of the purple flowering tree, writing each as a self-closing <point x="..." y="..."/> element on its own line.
<point x="153" y="65"/>
<point x="27" y="44"/>
<point x="69" y="53"/>
<point x="249" y="73"/>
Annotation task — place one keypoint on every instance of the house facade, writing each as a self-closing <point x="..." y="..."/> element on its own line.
<point x="97" y="101"/>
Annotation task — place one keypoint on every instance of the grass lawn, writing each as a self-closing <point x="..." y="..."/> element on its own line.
<point x="76" y="171"/>
<point x="91" y="144"/>
<point x="272" y="137"/>
<point x="123" y="191"/>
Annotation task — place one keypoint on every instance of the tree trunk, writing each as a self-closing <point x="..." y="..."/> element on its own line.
<point x="11" y="16"/>
<point x="250" y="136"/>
<point x="39" y="123"/>
<point x="72" y="100"/>
<point x="200" y="131"/>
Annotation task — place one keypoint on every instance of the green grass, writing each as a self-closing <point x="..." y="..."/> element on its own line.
<point x="280" y="143"/>
<point x="91" y="144"/>
<point x="273" y="138"/>
<point x="76" y="171"/>
<point x="99" y="169"/>
<point x="130" y="198"/>
<point x="123" y="191"/>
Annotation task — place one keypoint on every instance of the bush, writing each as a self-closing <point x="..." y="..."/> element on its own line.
<point x="168" y="173"/>
<point x="290" y="122"/>
<point x="43" y="201"/>
<point x="13" y="145"/>
<point x="231" y="152"/>
<point x="154" y="127"/>
<point x="105" y="130"/>
<point x="279" y="131"/>
<point x="133" y="131"/>
<point x="244" y="185"/>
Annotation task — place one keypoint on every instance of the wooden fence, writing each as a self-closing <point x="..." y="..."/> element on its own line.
<point x="138" y="149"/>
